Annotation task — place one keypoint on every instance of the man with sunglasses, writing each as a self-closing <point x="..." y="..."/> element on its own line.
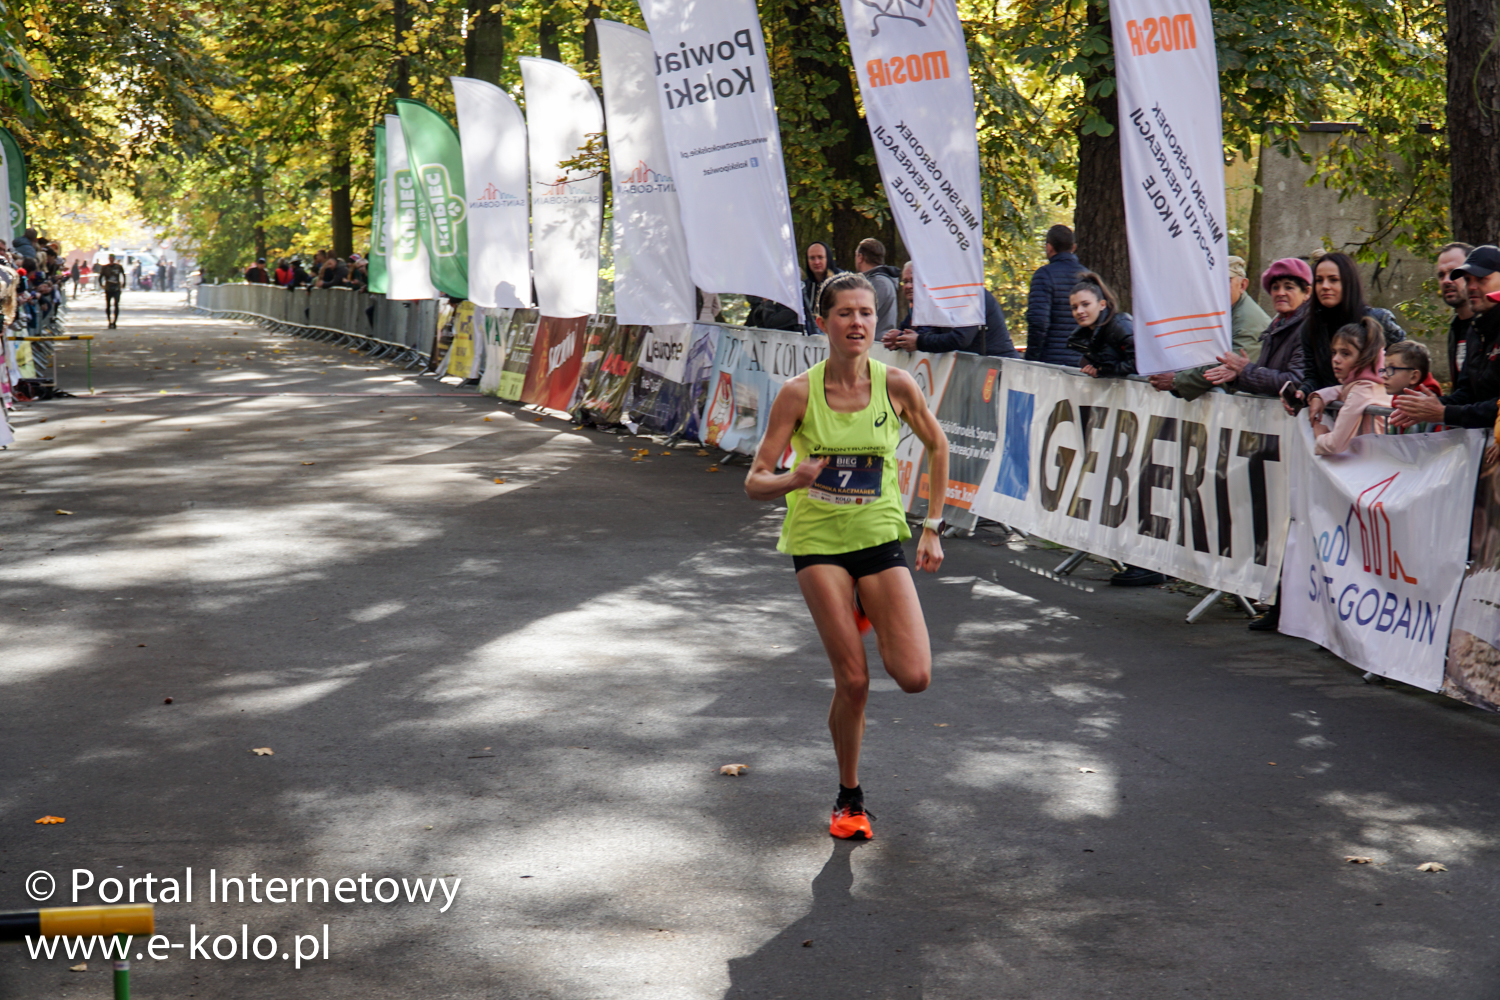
<point x="1472" y="403"/>
<point x="1454" y="290"/>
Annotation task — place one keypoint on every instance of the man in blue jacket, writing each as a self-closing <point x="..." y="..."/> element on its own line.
<point x="1049" y="318"/>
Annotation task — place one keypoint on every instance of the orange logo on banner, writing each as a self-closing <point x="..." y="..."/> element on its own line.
<point x="907" y="69"/>
<point x="989" y="384"/>
<point x="1162" y="34"/>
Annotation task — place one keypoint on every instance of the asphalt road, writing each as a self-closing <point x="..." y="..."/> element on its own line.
<point x="530" y="686"/>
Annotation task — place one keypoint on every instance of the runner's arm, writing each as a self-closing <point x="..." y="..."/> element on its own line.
<point x="911" y="406"/>
<point x="763" y="482"/>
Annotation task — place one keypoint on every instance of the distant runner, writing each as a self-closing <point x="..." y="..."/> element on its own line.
<point x="845" y="520"/>
<point x="112" y="280"/>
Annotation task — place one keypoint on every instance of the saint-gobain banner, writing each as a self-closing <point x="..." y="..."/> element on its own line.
<point x="913" y="71"/>
<point x="1195" y="489"/>
<point x="1171" y="158"/>
<point x="1376" y="551"/>
<point x="714" y="85"/>
<point x="1473" y="672"/>
<point x="493" y="134"/>
<point x="750" y="367"/>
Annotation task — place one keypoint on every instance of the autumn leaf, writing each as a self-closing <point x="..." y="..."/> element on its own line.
<point x="1087" y="770"/>
<point x="486" y="419"/>
<point x="262" y="751"/>
<point x="64" y="512"/>
<point x="537" y="420"/>
<point x="638" y="458"/>
<point x="80" y="967"/>
<point x="1355" y="859"/>
<point x="51" y="820"/>
<point x="309" y="463"/>
<point x="734" y="770"/>
<point x="713" y="468"/>
<point x="49" y="437"/>
<point x="499" y="481"/>
<point x="1432" y="866"/>
<point x="703" y="452"/>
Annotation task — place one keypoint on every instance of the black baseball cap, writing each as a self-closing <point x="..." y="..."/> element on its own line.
<point x="1481" y="262"/>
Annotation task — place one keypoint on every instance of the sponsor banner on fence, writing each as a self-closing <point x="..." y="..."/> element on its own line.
<point x="519" y="343"/>
<point x="666" y="395"/>
<point x="567" y="206"/>
<point x="1374" y="555"/>
<point x="1195" y="489"/>
<point x="492" y="327"/>
<point x="1171" y="160"/>
<point x="493" y="134"/>
<point x="556" y="360"/>
<point x="407" y="274"/>
<point x="750" y="367"/>
<point x="1473" y="671"/>
<point x="971" y="421"/>
<point x="609" y="370"/>
<point x="714" y="85"/>
<point x="913" y="70"/>
<point x="652" y="279"/>
<point x="932" y="372"/>
<point x="463" y="355"/>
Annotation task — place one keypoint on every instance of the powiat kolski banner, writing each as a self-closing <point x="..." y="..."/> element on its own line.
<point x="719" y="116"/>
<point x="1172" y="161"/>
<point x="913" y="70"/>
<point x="1195" y="489"/>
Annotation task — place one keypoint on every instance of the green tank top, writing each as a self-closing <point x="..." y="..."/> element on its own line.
<point x="855" y="502"/>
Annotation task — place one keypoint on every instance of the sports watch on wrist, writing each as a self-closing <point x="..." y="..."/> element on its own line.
<point x="936" y="524"/>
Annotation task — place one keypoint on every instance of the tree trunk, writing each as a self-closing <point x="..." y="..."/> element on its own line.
<point x="258" y="196"/>
<point x="484" y="46"/>
<point x="548" y="46"/>
<point x="1099" y="215"/>
<point x="340" y="204"/>
<point x="1474" y="120"/>
<point x="401" y="65"/>
<point x="590" y="40"/>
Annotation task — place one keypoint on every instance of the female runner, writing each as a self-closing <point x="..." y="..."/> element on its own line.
<point x="845" y="521"/>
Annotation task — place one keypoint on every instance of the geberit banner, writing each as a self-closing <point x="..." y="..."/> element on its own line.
<point x="1371" y="572"/>
<point x="724" y="147"/>
<point x="1172" y="162"/>
<point x="1194" y="489"/>
<point x="913" y="71"/>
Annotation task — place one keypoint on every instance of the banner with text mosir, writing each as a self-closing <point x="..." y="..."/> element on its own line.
<point x="567" y="206"/>
<point x="1172" y="164"/>
<point x="913" y="70"/>
<point x="1376" y="550"/>
<point x="1192" y="488"/>
<point x="407" y="274"/>
<point x="652" y="279"/>
<point x="493" y="135"/>
<point x="719" y="117"/>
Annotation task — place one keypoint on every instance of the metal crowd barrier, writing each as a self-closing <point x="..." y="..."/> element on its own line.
<point x="401" y="332"/>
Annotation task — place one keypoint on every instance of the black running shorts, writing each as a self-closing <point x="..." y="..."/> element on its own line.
<point x="861" y="562"/>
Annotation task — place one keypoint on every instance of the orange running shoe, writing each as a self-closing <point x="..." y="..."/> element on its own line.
<point x="851" y="822"/>
<point x="861" y="620"/>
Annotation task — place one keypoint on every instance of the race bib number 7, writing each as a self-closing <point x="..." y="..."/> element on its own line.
<point x="852" y="479"/>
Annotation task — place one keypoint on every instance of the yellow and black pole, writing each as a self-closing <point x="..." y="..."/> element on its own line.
<point x="120" y="922"/>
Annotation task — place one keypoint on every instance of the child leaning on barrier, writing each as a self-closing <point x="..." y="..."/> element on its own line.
<point x="1408" y="368"/>
<point x="1358" y="355"/>
<point x="1105" y="336"/>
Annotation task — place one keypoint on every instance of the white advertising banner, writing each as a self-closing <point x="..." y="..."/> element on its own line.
<point x="406" y="261"/>
<point x="750" y="367"/>
<point x="714" y="85"/>
<point x="913" y="71"/>
<point x="1195" y="489"/>
<point x="1376" y="552"/>
<point x="493" y="135"/>
<point x="652" y="279"/>
<point x="567" y="206"/>
<point x="664" y="350"/>
<point x="1172" y="162"/>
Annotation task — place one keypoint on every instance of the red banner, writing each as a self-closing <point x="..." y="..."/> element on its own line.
<point x="556" y="361"/>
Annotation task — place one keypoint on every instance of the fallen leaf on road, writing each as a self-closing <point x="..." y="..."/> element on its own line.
<point x="486" y="419"/>
<point x="713" y="468"/>
<point x="1432" y="866"/>
<point x="166" y="701"/>
<point x="641" y="451"/>
<point x="703" y="453"/>
<point x="64" y="511"/>
<point x="49" y="437"/>
<point x="666" y="453"/>
<point x="309" y="463"/>
<point x="262" y="751"/>
<point x="807" y="943"/>
<point x="498" y="481"/>
<point x="414" y="418"/>
<point x="537" y="420"/>
<point x="734" y="770"/>
<point x="51" y="820"/>
<point x="940" y="725"/>
<point x="638" y="458"/>
<point x="1271" y="763"/>
<point x="80" y="967"/>
<point x="1087" y="770"/>
<point x="1355" y="859"/>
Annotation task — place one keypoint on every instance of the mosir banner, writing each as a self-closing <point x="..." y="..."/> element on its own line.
<point x="1374" y="557"/>
<point x="1172" y="161"/>
<point x="567" y="206"/>
<point x="719" y="117"/>
<point x="407" y="274"/>
<point x="913" y="71"/>
<point x="1193" y="489"/>
<point x="652" y="281"/>
<point x="493" y="135"/>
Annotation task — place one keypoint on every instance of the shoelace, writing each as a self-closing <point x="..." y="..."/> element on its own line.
<point x="854" y="809"/>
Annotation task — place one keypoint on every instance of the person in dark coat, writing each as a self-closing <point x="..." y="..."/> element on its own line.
<point x="1475" y="398"/>
<point x="1049" y="316"/>
<point x="1338" y="300"/>
<point x="1289" y="283"/>
<point x="1103" y="337"/>
<point x="992" y="339"/>
<point x="820" y="267"/>
<point x="768" y="314"/>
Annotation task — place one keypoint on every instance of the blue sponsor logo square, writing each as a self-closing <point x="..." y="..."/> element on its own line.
<point x="755" y="161"/>
<point x="1014" y="479"/>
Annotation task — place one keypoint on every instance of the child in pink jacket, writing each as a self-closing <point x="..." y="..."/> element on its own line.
<point x="1358" y="357"/>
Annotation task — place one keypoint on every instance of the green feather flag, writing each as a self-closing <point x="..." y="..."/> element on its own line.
<point x="438" y="164"/>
